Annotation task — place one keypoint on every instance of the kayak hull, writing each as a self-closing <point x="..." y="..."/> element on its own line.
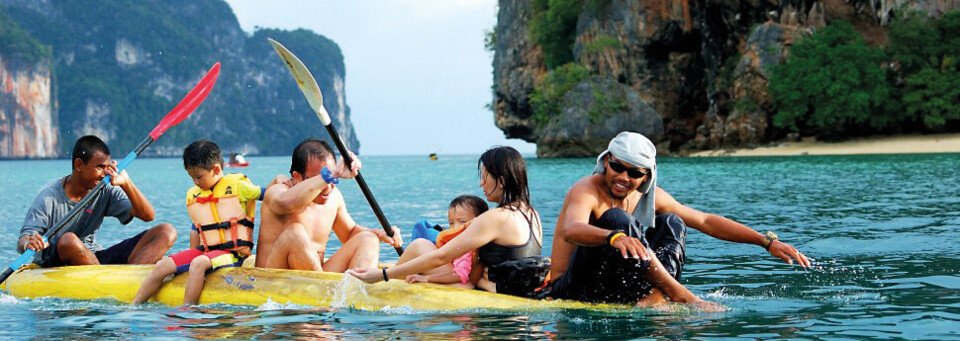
<point x="256" y="286"/>
<point x="240" y="164"/>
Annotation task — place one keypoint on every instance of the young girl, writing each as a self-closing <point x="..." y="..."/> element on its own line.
<point x="460" y="212"/>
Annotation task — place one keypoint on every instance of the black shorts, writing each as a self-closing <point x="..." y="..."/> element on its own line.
<point x="601" y="274"/>
<point x="119" y="253"/>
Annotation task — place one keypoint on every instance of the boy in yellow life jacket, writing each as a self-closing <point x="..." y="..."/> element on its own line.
<point x="222" y="208"/>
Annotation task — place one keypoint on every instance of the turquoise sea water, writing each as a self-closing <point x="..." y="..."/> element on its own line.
<point x="884" y="231"/>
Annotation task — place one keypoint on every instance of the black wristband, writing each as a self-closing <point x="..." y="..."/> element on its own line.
<point x="610" y="235"/>
<point x="385" y="278"/>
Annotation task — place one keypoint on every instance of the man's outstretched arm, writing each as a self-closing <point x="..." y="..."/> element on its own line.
<point x="724" y="228"/>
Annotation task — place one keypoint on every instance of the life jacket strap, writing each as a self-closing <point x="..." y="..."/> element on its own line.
<point x="207" y="199"/>
<point x="203" y="240"/>
<point x="227" y="246"/>
<point x="226" y="225"/>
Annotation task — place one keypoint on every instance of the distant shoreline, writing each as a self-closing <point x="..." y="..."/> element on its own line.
<point x="899" y="144"/>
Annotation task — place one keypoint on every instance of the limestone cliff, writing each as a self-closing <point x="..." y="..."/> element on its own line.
<point x="693" y="72"/>
<point x="120" y="66"/>
<point x="28" y="116"/>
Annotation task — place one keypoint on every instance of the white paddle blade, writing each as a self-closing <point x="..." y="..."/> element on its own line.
<point x="306" y="82"/>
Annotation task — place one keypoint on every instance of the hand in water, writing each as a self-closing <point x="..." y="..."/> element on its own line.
<point x="699" y="305"/>
<point x="788" y="253"/>
<point x="709" y="307"/>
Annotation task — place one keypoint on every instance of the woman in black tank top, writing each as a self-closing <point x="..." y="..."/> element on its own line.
<point x="508" y="247"/>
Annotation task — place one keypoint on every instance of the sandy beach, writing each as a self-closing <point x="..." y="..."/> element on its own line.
<point x="900" y="144"/>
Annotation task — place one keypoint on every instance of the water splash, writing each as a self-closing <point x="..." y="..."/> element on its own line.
<point x="270" y="304"/>
<point x="8" y="299"/>
<point x="349" y="293"/>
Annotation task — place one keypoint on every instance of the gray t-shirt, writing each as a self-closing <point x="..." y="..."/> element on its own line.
<point x="52" y="204"/>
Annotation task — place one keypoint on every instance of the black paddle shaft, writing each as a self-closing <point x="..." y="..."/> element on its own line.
<point x="363" y="184"/>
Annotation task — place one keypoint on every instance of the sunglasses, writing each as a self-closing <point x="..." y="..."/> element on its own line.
<point x="631" y="172"/>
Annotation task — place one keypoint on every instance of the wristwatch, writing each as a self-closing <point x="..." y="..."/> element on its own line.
<point x="768" y="239"/>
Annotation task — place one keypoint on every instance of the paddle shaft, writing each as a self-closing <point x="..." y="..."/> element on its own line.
<point x="363" y="184"/>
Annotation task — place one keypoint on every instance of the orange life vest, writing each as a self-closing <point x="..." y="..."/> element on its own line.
<point x="224" y="220"/>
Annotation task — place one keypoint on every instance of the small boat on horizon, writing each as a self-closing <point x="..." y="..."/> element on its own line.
<point x="236" y="160"/>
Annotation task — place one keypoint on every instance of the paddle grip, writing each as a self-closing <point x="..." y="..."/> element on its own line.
<point x="127" y="160"/>
<point x="25" y="258"/>
<point x="347" y="160"/>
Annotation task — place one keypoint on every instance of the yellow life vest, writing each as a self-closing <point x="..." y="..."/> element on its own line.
<point x="223" y="220"/>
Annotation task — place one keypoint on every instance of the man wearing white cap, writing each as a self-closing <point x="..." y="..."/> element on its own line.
<point x="600" y="244"/>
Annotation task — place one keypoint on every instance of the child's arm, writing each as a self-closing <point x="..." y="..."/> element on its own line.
<point x="194" y="238"/>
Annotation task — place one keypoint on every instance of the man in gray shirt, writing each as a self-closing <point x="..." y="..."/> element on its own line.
<point x="76" y="244"/>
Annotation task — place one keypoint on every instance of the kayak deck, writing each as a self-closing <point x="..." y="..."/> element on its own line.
<point x="256" y="286"/>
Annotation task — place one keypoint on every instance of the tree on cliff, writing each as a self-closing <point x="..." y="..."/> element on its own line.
<point x="927" y="52"/>
<point x="17" y="43"/>
<point x="834" y="83"/>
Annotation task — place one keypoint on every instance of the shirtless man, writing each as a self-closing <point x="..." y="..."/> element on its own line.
<point x="600" y="243"/>
<point x="298" y="215"/>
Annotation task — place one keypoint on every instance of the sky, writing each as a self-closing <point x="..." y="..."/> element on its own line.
<point x="418" y="78"/>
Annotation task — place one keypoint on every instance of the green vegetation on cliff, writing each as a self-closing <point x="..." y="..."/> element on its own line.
<point x="553" y="27"/>
<point x="834" y="83"/>
<point x="17" y="43"/>
<point x="120" y="66"/>
<point x="549" y="91"/>
<point x="928" y="52"/>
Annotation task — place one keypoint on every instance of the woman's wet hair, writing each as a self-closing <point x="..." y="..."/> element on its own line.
<point x="506" y="166"/>
<point x="307" y="150"/>
<point x="203" y="154"/>
<point x="472" y="202"/>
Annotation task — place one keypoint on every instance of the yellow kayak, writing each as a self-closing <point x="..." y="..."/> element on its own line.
<point x="256" y="286"/>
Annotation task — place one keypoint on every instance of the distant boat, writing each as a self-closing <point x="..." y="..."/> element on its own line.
<point x="238" y="164"/>
<point x="236" y="160"/>
<point x="433" y="156"/>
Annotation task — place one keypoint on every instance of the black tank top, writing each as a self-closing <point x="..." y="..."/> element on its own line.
<point x="492" y="253"/>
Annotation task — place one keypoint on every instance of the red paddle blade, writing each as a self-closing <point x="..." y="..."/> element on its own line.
<point x="189" y="103"/>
